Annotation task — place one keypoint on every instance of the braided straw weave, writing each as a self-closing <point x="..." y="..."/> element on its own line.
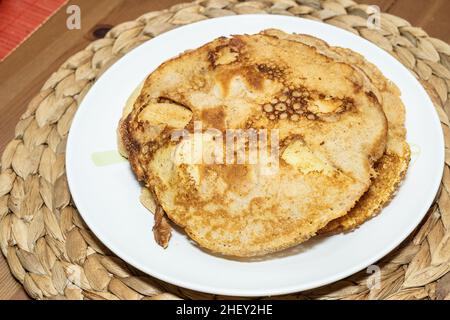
<point x="51" y="251"/>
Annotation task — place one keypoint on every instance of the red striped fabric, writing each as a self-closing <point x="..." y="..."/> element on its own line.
<point x="19" y="18"/>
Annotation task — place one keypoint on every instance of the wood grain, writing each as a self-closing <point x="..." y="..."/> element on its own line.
<point x="23" y="73"/>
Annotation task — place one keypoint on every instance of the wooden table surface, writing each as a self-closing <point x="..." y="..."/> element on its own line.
<point x="24" y="72"/>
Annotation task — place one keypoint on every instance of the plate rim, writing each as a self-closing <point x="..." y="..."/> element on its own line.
<point x="260" y="292"/>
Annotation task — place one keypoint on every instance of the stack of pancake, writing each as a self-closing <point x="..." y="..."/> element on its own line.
<point x="341" y="142"/>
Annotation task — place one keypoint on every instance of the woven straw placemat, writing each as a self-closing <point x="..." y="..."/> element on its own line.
<point x="51" y="251"/>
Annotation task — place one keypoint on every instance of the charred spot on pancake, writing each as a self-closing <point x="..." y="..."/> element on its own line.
<point x="273" y="72"/>
<point x="253" y="78"/>
<point x="174" y="97"/>
<point x="372" y="97"/>
<point x="130" y="144"/>
<point x="150" y="147"/>
<point x="247" y="73"/>
<point x="214" y="117"/>
<point x="357" y="87"/>
<point x="225" y="53"/>
<point x="236" y="44"/>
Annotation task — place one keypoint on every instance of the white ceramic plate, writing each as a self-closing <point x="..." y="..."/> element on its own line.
<point x="107" y="196"/>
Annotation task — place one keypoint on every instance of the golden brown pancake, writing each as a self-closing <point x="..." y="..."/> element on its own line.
<point x="391" y="167"/>
<point x="316" y="105"/>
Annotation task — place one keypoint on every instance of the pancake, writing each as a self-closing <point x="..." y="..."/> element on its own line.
<point x="392" y="166"/>
<point x="315" y="107"/>
<point x="126" y="111"/>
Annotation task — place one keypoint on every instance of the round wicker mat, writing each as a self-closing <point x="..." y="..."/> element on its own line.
<point x="51" y="251"/>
